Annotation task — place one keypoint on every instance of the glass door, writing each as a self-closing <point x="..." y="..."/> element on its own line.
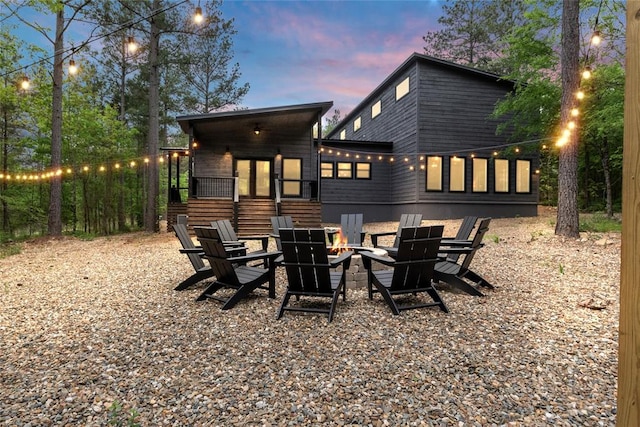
<point x="254" y="177"/>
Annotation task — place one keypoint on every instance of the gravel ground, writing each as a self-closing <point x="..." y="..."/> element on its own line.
<point x="92" y="330"/>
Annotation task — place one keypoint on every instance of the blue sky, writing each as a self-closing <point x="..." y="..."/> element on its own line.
<point x="295" y="52"/>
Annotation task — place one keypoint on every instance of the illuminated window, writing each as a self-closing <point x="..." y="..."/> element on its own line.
<point x="402" y="88"/>
<point x="480" y="175"/>
<point x="376" y="109"/>
<point x="456" y="174"/>
<point x="523" y="176"/>
<point x="434" y="173"/>
<point x="326" y="169"/>
<point x="501" y="169"/>
<point x="315" y="130"/>
<point x="291" y="176"/>
<point x="343" y="134"/>
<point x="363" y="170"/>
<point x="357" y="124"/>
<point x="345" y="170"/>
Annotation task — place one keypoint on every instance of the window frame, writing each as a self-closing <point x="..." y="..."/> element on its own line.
<point x="474" y="166"/>
<point x="338" y="170"/>
<point x="297" y="184"/>
<point x="496" y="176"/>
<point x="357" y="174"/>
<point x="400" y="88"/>
<point x="343" y="134"/>
<point x="357" y="124"/>
<point x="322" y="169"/>
<point x="519" y="162"/>
<point x="375" y="114"/>
<point x="464" y="174"/>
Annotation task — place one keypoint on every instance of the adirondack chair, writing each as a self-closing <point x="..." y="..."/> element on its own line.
<point x="461" y="238"/>
<point x="454" y="273"/>
<point x="278" y="222"/>
<point x="195" y="254"/>
<point x="309" y="270"/>
<point x="351" y="229"/>
<point x="231" y="272"/>
<point x="406" y="220"/>
<point x="230" y="238"/>
<point x="412" y="271"/>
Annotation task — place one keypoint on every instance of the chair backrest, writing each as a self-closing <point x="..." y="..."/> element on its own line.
<point x="185" y="240"/>
<point x="278" y="222"/>
<point x="466" y="227"/>
<point x="476" y="243"/>
<point x="306" y="260"/>
<point x="216" y="253"/>
<point x="407" y="220"/>
<point x="351" y="228"/>
<point x="417" y="256"/>
<point x="225" y="230"/>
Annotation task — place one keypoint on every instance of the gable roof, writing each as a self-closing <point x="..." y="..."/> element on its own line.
<point x="408" y="63"/>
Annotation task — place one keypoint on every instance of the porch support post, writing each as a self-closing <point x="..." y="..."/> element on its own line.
<point x="319" y="160"/>
<point x="191" y="158"/>
<point x="236" y="201"/>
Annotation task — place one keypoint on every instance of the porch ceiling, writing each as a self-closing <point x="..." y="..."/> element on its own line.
<point x="244" y="121"/>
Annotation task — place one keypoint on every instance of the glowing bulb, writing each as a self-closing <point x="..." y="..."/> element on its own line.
<point x="596" y="39"/>
<point x="73" y="68"/>
<point x="132" y="45"/>
<point x="575" y="112"/>
<point x="586" y="74"/>
<point x="197" y="17"/>
<point x="24" y="84"/>
<point x="580" y="94"/>
<point x="571" y="125"/>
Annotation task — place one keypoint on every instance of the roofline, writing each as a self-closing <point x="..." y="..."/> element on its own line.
<point x="356" y="145"/>
<point x="322" y="106"/>
<point x="412" y="59"/>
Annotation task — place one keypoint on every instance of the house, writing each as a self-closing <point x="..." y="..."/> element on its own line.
<point x="421" y="142"/>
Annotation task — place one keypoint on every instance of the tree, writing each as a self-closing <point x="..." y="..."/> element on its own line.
<point x="332" y="122"/>
<point x="473" y="32"/>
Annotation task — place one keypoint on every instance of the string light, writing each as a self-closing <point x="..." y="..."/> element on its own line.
<point x="73" y="68"/>
<point x="596" y="38"/>
<point x="586" y="73"/>
<point x="132" y="46"/>
<point x="198" y="17"/>
<point x="24" y="83"/>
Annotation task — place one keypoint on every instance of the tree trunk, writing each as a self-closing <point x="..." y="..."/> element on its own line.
<point x="55" y="192"/>
<point x="151" y="213"/>
<point x="568" y="221"/>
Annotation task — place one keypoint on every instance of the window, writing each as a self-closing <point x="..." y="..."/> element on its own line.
<point x="434" y="173"/>
<point x="357" y="124"/>
<point x="523" y="176"/>
<point x="501" y="169"/>
<point x="343" y="134"/>
<point x="345" y="170"/>
<point x="315" y="130"/>
<point x="456" y="174"/>
<point x="480" y="175"/>
<point x="376" y="109"/>
<point x="326" y="169"/>
<point x="402" y="88"/>
<point x="363" y="170"/>
<point x="291" y="170"/>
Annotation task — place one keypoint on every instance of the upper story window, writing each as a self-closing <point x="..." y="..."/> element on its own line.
<point x="501" y="170"/>
<point x="402" y="88"/>
<point x="456" y="174"/>
<point x="357" y="124"/>
<point x="480" y="168"/>
<point x="376" y="109"/>
<point x="523" y="176"/>
<point x="315" y="130"/>
<point x="434" y="173"/>
<point x="343" y="134"/>
<point x="326" y="169"/>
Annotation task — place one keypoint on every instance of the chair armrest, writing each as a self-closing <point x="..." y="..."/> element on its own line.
<point x="367" y="257"/>
<point x="263" y="237"/>
<point x="196" y="250"/>
<point x="254" y="256"/>
<point x="460" y="251"/>
<point x="454" y="242"/>
<point x="345" y="258"/>
<point x="232" y="243"/>
<point x="374" y="236"/>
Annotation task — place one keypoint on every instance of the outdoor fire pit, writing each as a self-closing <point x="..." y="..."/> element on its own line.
<point x="356" y="276"/>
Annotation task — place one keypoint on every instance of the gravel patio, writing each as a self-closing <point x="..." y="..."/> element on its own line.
<point x="84" y="324"/>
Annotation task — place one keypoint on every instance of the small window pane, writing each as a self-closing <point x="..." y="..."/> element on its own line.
<point x="402" y="88"/>
<point x="357" y="123"/>
<point x="363" y="170"/>
<point x="291" y="175"/>
<point x="523" y="176"/>
<point x="345" y="170"/>
<point x="434" y="173"/>
<point x="343" y="134"/>
<point x="502" y="175"/>
<point x="376" y="109"/>
<point x="480" y="175"/>
<point x="456" y="174"/>
<point x="326" y="169"/>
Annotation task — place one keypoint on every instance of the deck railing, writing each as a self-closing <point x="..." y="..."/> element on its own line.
<point x="226" y="187"/>
<point x="210" y="186"/>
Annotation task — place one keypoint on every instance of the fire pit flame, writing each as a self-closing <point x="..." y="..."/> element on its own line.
<point x="340" y="244"/>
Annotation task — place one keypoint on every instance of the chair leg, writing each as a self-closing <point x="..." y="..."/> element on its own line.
<point x="478" y="279"/>
<point x="334" y="301"/>
<point x="437" y="298"/>
<point x="388" y="298"/>
<point x="192" y="280"/>
<point x="211" y="289"/>
<point x="457" y="282"/>
<point x="285" y="301"/>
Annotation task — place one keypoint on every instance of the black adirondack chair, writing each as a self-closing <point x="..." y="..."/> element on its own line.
<point x="351" y="229"/>
<point x="278" y="222"/>
<point x="454" y="273"/>
<point x="461" y="238"/>
<point x="231" y="272"/>
<point x="406" y="220"/>
<point x="412" y="271"/>
<point x="230" y="238"/>
<point x="309" y="270"/>
<point x="195" y="254"/>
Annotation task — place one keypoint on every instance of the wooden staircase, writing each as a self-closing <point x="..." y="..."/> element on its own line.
<point x="254" y="216"/>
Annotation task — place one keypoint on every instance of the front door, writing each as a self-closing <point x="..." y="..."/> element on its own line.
<point x="254" y="177"/>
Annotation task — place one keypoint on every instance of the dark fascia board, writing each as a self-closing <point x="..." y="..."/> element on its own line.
<point x="412" y="60"/>
<point x="355" y="145"/>
<point x="185" y="121"/>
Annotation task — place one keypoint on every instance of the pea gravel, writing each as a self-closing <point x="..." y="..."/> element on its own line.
<point x="92" y="330"/>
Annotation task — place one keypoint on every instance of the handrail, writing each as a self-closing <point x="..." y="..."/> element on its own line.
<point x="211" y="186"/>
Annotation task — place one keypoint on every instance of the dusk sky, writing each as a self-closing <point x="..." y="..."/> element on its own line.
<point x="295" y="52"/>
